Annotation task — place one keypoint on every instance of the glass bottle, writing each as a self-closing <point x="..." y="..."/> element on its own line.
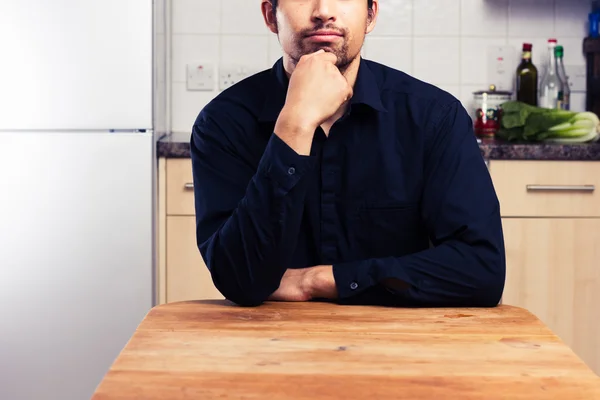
<point x="545" y="60"/>
<point x="565" y="94"/>
<point x="551" y="85"/>
<point x="527" y="78"/>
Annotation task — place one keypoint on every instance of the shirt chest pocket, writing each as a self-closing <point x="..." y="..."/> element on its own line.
<point x="386" y="230"/>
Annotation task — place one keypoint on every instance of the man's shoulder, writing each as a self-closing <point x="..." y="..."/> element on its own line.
<point x="243" y="100"/>
<point x="395" y="84"/>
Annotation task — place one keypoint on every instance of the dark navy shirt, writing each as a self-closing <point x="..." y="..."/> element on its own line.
<point x="397" y="198"/>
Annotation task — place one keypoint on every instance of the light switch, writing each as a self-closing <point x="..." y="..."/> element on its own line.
<point x="200" y="76"/>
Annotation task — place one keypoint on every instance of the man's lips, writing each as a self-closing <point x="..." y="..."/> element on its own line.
<point x="324" y="36"/>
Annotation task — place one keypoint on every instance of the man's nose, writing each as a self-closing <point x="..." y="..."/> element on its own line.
<point x="324" y="10"/>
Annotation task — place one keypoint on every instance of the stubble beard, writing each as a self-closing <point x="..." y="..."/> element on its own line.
<point x="341" y="51"/>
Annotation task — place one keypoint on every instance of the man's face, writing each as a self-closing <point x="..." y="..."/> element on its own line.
<point x="337" y="26"/>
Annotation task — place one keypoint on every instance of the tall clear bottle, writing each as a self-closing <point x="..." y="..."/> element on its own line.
<point x="551" y="85"/>
<point x="565" y="96"/>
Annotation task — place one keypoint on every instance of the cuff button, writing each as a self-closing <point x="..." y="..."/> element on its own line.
<point x="354" y="286"/>
<point x="291" y="171"/>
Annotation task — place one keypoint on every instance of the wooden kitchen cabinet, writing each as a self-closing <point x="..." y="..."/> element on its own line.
<point x="553" y="270"/>
<point x="187" y="277"/>
<point x="552" y="240"/>
<point x="182" y="273"/>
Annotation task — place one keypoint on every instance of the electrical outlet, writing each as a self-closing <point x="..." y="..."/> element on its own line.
<point x="501" y="66"/>
<point x="229" y="75"/>
<point x="200" y="76"/>
<point x="577" y="75"/>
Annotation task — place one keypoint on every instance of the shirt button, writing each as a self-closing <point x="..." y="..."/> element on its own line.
<point x="291" y="171"/>
<point x="354" y="286"/>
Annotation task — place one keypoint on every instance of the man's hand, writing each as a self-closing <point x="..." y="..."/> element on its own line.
<point x="316" y="91"/>
<point x="306" y="284"/>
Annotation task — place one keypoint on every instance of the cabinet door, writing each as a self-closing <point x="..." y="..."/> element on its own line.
<point x="187" y="276"/>
<point x="553" y="270"/>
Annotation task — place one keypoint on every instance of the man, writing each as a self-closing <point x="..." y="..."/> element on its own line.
<point x="334" y="178"/>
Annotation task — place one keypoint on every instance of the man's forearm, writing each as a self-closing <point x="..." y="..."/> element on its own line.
<point x="452" y="274"/>
<point x="248" y="252"/>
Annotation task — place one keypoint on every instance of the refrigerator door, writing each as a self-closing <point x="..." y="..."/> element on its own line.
<point x="76" y="64"/>
<point x="76" y="256"/>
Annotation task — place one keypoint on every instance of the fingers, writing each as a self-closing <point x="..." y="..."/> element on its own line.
<point x="311" y="55"/>
<point x="322" y="55"/>
<point x="327" y="56"/>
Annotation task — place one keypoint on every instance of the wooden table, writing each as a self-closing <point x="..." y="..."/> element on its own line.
<point x="278" y="351"/>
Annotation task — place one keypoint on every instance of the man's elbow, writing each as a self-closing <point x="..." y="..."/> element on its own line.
<point x="490" y="288"/>
<point x="244" y="301"/>
<point x="250" y="295"/>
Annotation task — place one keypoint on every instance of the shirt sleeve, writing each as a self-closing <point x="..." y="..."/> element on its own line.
<point x="247" y="218"/>
<point x="460" y="209"/>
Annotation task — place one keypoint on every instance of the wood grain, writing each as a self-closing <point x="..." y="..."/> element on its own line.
<point x="553" y="270"/>
<point x="188" y="277"/>
<point x="215" y="350"/>
<point x="512" y="177"/>
<point x="180" y="201"/>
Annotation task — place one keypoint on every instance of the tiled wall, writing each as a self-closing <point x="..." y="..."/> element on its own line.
<point x="440" y="41"/>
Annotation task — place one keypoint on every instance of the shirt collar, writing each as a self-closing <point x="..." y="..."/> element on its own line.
<point x="366" y="91"/>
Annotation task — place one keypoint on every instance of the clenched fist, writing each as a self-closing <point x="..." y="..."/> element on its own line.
<point x="316" y="91"/>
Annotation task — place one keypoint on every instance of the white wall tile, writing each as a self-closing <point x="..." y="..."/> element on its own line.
<point x="573" y="51"/>
<point x="245" y="50"/>
<point x="437" y="60"/>
<point x="274" y="52"/>
<point x="571" y="18"/>
<point x="395" y="52"/>
<point x="578" y="102"/>
<point x="436" y="18"/>
<point x="191" y="48"/>
<point x="196" y="16"/>
<point x="186" y="105"/>
<point x="395" y="18"/>
<point x="474" y="60"/>
<point x="484" y="18"/>
<point x="531" y="18"/>
<point x="242" y="17"/>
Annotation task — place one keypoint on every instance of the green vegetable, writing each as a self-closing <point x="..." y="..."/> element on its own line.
<point x="524" y="122"/>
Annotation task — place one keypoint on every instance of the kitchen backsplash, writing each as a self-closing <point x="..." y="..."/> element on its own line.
<point x="443" y="42"/>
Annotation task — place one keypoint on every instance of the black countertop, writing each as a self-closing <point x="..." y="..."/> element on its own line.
<point x="177" y="145"/>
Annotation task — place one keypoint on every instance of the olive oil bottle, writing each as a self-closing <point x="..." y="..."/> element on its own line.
<point x="527" y="78"/>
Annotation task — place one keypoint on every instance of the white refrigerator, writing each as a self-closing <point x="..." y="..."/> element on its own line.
<point x="76" y="190"/>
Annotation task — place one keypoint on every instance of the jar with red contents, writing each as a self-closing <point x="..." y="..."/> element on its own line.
<point x="488" y="113"/>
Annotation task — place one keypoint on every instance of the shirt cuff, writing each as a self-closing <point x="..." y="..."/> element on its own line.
<point x="353" y="278"/>
<point x="282" y="164"/>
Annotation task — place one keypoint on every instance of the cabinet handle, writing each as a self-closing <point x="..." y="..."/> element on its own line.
<point x="188" y="186"/>
<point x="561" y="188"/>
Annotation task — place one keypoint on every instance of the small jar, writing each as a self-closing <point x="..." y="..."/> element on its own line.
<point x="488" y="113"/>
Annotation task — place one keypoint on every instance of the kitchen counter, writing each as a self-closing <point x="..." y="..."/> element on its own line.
<point x="320" y="351"/>
<point x="177" y="145"/>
